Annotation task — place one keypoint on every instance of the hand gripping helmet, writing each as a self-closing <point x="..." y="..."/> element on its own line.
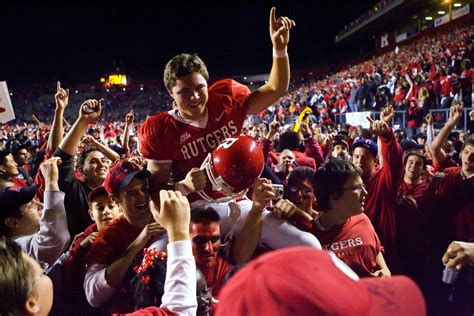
<point x="232" y="168"/>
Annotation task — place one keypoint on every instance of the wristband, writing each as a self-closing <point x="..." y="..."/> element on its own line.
<point x="280" y="53"/>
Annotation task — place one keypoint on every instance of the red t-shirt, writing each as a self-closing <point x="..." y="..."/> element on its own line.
<point x="354" y="242"/>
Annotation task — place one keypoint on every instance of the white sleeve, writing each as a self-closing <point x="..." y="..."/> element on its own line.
<point x="96" y="288"/>
<point x="53" y="236"/>
<point x="180" y="285"/>
<point x="278" y="233"/>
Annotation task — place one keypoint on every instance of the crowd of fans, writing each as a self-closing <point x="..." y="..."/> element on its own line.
<point x="75" y="197"/>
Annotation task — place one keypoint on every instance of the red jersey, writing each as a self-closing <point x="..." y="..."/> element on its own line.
<point x="355" y="242"/>
<point x="168" y="138"/>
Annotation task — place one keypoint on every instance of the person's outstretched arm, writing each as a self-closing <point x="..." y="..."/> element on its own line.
<point x="279" y="78"/>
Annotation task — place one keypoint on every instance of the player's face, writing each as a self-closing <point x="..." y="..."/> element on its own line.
<point x="467" y="159"/>
<point x="134" y="198"/>
<point x="352" y="200"/>
<point x="301" y="194"/>
<point x="191" y="95"/>
<point x="206" y="242"/>
<point x="414" y="167"/>
<point x="96" y="166"/>
<point x="21" y="157"/>
<point x="285" y="160"/>
<point x="103" y="211"/>
<point x="9" y="166"/>
<point x="340" y="151"/>
<point x="363" y="158"/>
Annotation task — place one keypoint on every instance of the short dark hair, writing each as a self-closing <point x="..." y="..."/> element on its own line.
<point x="16" y="279"/>
<point x="300" y="173"/>
<point x="182" y="65"/>
<point x="330" y="178"/>
<point x="468" y="141"/>
<point x="83" y="156"/>
<point x="205" y="215"/>
<point x="290" y="140"/>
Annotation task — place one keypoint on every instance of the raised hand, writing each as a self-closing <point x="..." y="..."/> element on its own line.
<point x="455" y="113"/>
<point x="387" y="114"/>
<point x="174" y="214"/>
<point x="378" y="127"/>
<point x="90" y="110"/>
<point x="61" y="97"/>
<point x="305" y="130"/>
<point x="262" y="193"/>
<point x="429" y="119"/>
<point x="49" y="169"/>
<point x="280" y="30"/>
<point x="129" y="118"/>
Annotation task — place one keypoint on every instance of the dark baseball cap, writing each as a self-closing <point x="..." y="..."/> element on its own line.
<point x="12" y="198"/>
<point x="410" y="144"/>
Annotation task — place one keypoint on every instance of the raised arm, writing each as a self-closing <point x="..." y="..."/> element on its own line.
<point x="129" y="118"/>
<point x="180" y="285"/>
<point x="61" y="99"/>
<point x="455" y="114"/>
<point x="246" y="242"/>
<point x="89" y="113"/>
<point x="107" y="151"/>
<point x="279" y="78"/>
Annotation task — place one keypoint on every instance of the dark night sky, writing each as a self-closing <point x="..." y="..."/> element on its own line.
<point x="77" y="42"/>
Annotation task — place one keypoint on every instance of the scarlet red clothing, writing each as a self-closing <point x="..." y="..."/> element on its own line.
<point x="215" y="275"/>
<point x="166" y="137"/>
<point x="110" y="244"/>
<point x="453" y="208"/>
<point x="382" y="187"/>
<point x="354" y="242"/>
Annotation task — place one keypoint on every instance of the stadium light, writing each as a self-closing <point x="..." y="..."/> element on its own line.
<point x="457" y="5"/>
<point x="441" y="12"/>
<point x="141" y="88"/>
<point x="76" y="92"/>
<point x="428" y="18"/>
<point x="11" y="93"/>
<point x="245" y="78"/>
<point x="108" y="90"/>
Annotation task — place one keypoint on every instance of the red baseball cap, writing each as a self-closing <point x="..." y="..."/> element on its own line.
<point x="99" y="191"/>
<point x="121" y="174"/>
<point x="306" y="281"/>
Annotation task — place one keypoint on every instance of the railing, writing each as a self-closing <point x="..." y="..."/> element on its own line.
<point x="440" y="117"/>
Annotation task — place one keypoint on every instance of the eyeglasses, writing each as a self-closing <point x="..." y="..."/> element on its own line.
<point x="304" y="191"/>
<point x="359" y="188"/>
<point x="201" y="240"/>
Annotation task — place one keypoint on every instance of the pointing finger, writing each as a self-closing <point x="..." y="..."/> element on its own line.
<point x="370" y="119"/>
<point x="273" y="16"/>
<point x="58" y="86"/>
